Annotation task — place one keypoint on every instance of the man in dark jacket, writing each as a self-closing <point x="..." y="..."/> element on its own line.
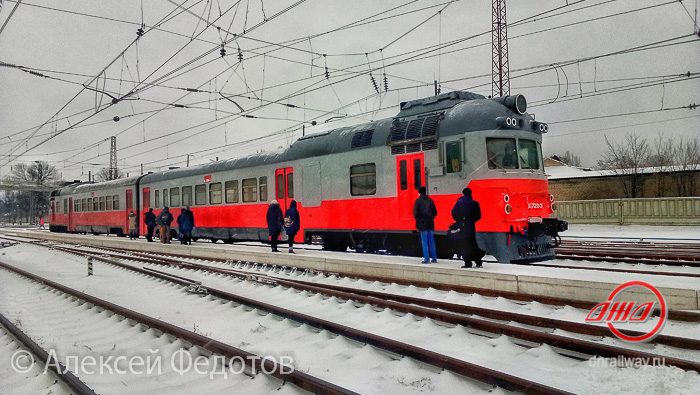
<point x="424" y="212"/>
<point x="274" y="223"/>
<point x="150" y="220"/>
<point x="166" y="218"/>
<point x="291" y="224"/>
<point x="466" y="213"/>
<point x="187" y="225"/>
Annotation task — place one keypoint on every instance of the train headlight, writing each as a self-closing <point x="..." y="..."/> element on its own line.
<point x="509" y="122"/>
<point x="506" y="198"/>
<point x="554" y="206"/>
<point x="509" y="209"/>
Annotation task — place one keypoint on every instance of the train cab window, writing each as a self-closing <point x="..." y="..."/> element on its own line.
<point x="115" y="201"/>
<point x="108" y="202"/>
<point x="215" y="193"/>
<point x="528" y="155"/>
<point x="453" y="153"/>
<point x="186" y="196"/>
<point x="363" y="179"/>
<point x="102" y="203"/>
<point x="174" y="197"/>
<point x="501" y="153"/>
<point x="231" y="191"/>
<point x="166" y="201"/>
<point x="200" y="194"/>
<point x="290" y="185"/>
<point x="263" y="189"/>
<point x="157" y="199"/>
<point x="95" y="204"/>
<point x="250" y="190"/>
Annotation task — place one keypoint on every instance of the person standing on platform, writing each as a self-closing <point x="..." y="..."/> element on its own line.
<point x="466" y="213"/>
<point x="150" y="221"/>
<point x="424" y="212"/>
<point x="132" y="225"/>
<point x="41" y="223"/>
<point x="187" y="225"/>
<point x="291" y="224"/>
<point x="165" y="218"/>
<point x="274" y="223"/>
<point x="180" y="234"/>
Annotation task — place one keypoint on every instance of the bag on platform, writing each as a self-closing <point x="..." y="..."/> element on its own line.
<point x="288" y="222"/>
<point x="454" y="231"/>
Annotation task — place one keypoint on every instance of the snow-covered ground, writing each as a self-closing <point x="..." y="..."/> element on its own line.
<point x="361" y="368"/>
<point x="635" y="232"/>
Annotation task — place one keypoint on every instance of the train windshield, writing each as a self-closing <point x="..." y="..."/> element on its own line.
<point x="502" y="153"/>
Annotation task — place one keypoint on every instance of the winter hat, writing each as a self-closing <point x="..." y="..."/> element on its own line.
<point x="274" y="201"/>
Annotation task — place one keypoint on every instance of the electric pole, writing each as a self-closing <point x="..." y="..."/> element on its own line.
<point x="113" y="158"/>
<point x="500" y="76"/>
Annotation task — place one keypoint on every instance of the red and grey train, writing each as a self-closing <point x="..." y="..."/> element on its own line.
<point x="355" y="186"/>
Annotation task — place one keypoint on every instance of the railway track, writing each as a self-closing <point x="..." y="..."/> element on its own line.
<point x="670" y="254"/>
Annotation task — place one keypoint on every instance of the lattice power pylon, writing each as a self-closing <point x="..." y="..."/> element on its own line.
<point x="113" y="158"/>
<point x="500" y="76"/>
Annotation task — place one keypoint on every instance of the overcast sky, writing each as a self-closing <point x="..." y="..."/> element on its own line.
<point x="570" y="59"/>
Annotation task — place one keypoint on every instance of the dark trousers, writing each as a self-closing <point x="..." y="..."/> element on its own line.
<point x="149" y="233"/>
<point x="290" y="238"/>
<point x="471" y="251"/>
<point x="274" y="240"/>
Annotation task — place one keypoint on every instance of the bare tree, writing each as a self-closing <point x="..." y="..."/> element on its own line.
<point x="686" y="156"/>
<point x="662" y="161"/>
<point x="626" y="159"/>
<point x="31" y="204"/>
<point x="104" y="175"/>
<point x="570" y="159"/>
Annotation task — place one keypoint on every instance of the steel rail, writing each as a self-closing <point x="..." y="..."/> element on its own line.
<point x="299" y="379"/>
<point x="73" y="382"/>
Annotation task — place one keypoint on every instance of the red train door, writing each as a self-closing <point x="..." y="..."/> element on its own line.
<point x="146" y="206"/>
<point x="70" y="214"/>
<point x="410" y="175"/>
<point x="284" y="186"/>
<point x="129" y="206"/>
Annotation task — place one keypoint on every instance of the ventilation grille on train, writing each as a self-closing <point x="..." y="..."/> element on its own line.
<point x="414" y="136"/>
<point x="362" y="139"/>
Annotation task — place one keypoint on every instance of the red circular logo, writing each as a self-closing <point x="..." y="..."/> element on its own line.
<point x="662" y="319"/>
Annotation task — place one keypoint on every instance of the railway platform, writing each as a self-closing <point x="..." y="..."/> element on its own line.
<point x="680" y="293"/>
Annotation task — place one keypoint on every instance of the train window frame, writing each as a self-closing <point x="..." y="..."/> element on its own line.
<point x="539" y="153"/>
<point x="280" y="186"/>
<point x="363" y="179"/>
<point x="417" y="173"/>
<point x="108" y="203"/>
<point x="530" y="151"/>
<point x="496" y="154"/>
<point x="166" y="199"/>
<point x="200" y="191"/>
<point x="156" y="199"/>
<point x="290" y="185"/>
<point x="102" y="203"/>
<point x="88" y="208"/>
<point x="76" y="209"/>
<point x="175" y="193"/>
<point x="83" y="205"/>
<point x="186" y="195"/>
<point x="215" y="193"/>
<point x="453" y="157"/>
<point x="262" y="189"/>
<point x="115" y="202"/>
<point x="403" y="174"/>
<point x="231" y="191"/>
<point x="250" y="192"/>
<point x="95" y="204"/>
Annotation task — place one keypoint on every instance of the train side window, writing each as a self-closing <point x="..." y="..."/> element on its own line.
<point x="417" y="179"/>
<point x="215" y="193"/>
<point x="186" y="196"/>
<point x="250" y="190"/>
<point x="166" y="201"/>
<point x="76" y="208"/>
<point x="200" y="194"/>
<point x="157" y="199"/>
<point x="501" y="153"/>
<point x="95" y="204"/>
<point x="263" y="189"/>
<point x="363" y="179"/>
<point x="115" y="201"/>
<point x="403" y="175"/>
<point x="175" y="197"/>
<point x="528" y="155"/>
<point x="290" y="185"/>
<point x="231" y="191"/>
<point x="453" y="154"/>
<point x="102" y="203"/>
<point x="280" y="186"/>
<point x="108" y="202"/>
<point x="88" y="205"/>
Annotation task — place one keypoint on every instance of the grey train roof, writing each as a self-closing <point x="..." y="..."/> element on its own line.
<point x="90" y="187"/>
<point x="461" y="112"/>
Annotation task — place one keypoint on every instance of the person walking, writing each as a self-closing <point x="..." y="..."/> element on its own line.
<point x="150" y="220"/>
<point x="132" y="226"/>
<point x="291" y="224"/>
<point x="424" y="212"/>
<point x="187" y="225"/>
<point x="165" y="218"/>
<point x="466" y="212"/>
<point x="274" y="223"/>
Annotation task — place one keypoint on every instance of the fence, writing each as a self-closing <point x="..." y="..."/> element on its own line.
<point x="657" y="211"/>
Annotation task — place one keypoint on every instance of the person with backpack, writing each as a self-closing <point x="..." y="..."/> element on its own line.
<point x="133" y="232"/>
<point x="291" y="224"/>
<point x="165" y="218"/>
<point x="274" y="223"/>
<point x="424" y="212"/>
